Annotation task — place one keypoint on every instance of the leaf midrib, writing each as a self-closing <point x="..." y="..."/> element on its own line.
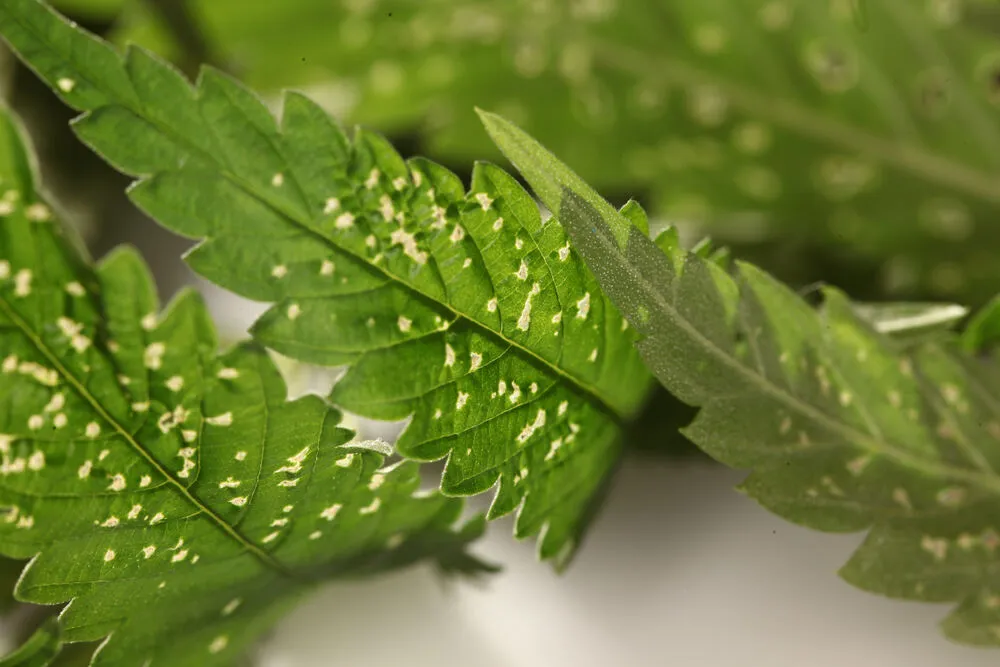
<point x="586" y="387"/>
<point x="589" y="390"/>
<point x="119" y="428"/>
<point x="248" y="188"/>
<point x="793" y="402"/>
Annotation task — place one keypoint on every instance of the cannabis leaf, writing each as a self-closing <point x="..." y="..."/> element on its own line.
<point x="169" y="492"/>
<point x="911" y="321"/>
<point x="466" y="311"/>
<point x="842" y="428"/>
<point x="983" y="332"/>
<point x="874" y="121"/>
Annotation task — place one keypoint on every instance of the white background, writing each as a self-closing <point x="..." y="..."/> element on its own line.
<point x="679" y="570"/>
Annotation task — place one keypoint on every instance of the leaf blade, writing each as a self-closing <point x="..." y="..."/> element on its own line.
<point x="844" y="428"/>
<point x="807" y="111"/>
<point x="380" y="254"/>
<point x="162" y="486"/>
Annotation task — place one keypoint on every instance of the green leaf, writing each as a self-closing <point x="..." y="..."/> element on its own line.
<point x="41" y="649"/>
<point x="843" y="428"/>
<point x="170" y="492"/>
<point x="463" y="310"/>
<point x="868" y="126"/>
<point x="983" y="332"/>
<point x="911" y="320"/>
<point x="861" y="14"/>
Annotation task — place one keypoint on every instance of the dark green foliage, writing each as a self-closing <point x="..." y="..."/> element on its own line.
<point x="470" y="313"/>
<point x="170" y="492"/>
<point x="844" y="428"/>
<point x="858" y="132"/>
<point x="466" y="310"/>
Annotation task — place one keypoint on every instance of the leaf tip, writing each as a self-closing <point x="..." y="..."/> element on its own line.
<point x="125" y="257"/>
<point x="495" y="124"/>
<point x="484" y="115"/>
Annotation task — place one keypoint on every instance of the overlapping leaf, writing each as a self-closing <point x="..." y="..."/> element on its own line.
<point x="467" y="311"/>
<point x="40" y="650"/>
<point x="843" y="429"/>
<point x="870" y="126"/>
<point x="911" y="321"/>
<point x="983" y="332"/>
<point x="170" y="493"/>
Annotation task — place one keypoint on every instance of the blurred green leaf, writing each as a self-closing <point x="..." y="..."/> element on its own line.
<point x="91" y="9"/>
<point x="983" y="331"/>
<point x="872" y="127"/>
<point x="41" y="649"/>
<point x="910" y="320"/>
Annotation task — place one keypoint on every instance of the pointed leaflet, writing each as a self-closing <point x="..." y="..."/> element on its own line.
<point x="467" y="311"/>
<point x="171" y="493"/>
<point x="875" y="121"/>
<point x="843" y="430"/>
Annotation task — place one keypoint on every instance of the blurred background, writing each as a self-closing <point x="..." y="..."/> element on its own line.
<point x="852" y="142"/>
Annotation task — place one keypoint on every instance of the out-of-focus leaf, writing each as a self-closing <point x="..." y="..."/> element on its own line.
<point x="41" y="649"/>
<point x="910" y="320"/>
<point x="102" y="10"/>
<point x="983" y="331"/>
<point x="872" y="127"/>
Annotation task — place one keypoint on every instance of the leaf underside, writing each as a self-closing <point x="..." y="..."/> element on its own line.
<point x="170" y="493"/>
<point x="910" y="320"/>
<point x="844" y="428"/>
<point x="756" y="115"/>
<point x="466" y="311"/>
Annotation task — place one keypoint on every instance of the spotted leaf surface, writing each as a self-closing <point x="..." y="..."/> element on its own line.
<point x="875" y="121"/>
<point x="170" y="493"/>
<point x="843" y="427"/>
<point x="466" y="310"/>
